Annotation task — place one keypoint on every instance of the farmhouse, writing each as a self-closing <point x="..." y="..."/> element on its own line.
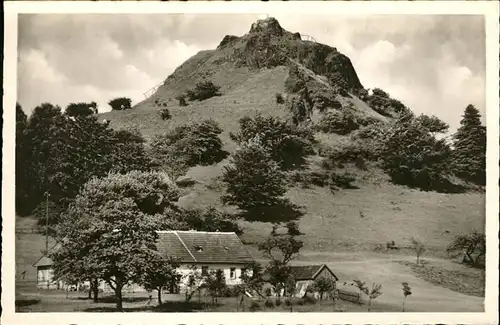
<point x="195" y="250"/>
<point x="205" y="251"/>
<point x="304" y="276"/>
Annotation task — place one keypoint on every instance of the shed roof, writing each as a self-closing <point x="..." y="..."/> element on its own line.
<point x="203" y="247"/>
<point x="44" y="260"/>
<point x="306" y="272"/>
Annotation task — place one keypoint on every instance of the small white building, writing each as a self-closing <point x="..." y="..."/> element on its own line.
<point x="204" y="252"/>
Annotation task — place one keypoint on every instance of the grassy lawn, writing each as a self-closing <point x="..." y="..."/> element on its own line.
<point x="139" y="302"/>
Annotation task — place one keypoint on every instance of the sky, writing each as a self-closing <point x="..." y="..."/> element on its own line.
<point x="434" y="64"/>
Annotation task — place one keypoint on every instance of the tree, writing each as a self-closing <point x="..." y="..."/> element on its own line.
<point x="110" y="228"/>
<point x="22" y="168"/>
<point x="215" y="282"/>
<point x="322" y="286"/>
<point x="253" y="180"/>
<point x="59" y="154"/>
<point x="290" y="289"/>
<point x="406" y="292"/>
<point x="203" y="90"/>
<point x="280" y="249"/>
<point x="418" y="247"/>
<point x="120" y="103"/>
<point x="288" y="144"/>
<point x="252" y="277"/>
<point x="469" y="154"/>
<point x="195" y="280"/>
<point x="81" y="109"/>
<point x="471" y="243"/>
<point x="372" y="294"/>
<point x="339" y="122"/>
<point x="432" y="123"/>
<point x="160" y="273"/>
<point x="412" y="156"/>
<point x="208" y="219"/>
<point x="40" y="152"/>
<point x="190" y="145"/>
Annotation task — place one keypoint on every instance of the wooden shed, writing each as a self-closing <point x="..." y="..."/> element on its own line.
<point x="304" y="276"/>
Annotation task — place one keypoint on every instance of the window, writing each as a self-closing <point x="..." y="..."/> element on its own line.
<point x="204" y="270"/>
<point x="232" y="273"/>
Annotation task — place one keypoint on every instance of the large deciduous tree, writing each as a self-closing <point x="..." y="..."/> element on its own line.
<point x="413" y="156"/>
<point x="189" y="145"/>
<point x="469" y="154"/>
<point x="288" y="144"/>
<point x="470" y="244"/>
<point x="254" y="182"/>
<point x="109" y="231"/>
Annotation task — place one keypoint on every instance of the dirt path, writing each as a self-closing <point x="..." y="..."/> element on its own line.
<point x="385" y="270"/>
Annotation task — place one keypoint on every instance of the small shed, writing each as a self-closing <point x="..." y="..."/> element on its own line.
<point x="45" y="274"/>
<point x="304" y="276"/>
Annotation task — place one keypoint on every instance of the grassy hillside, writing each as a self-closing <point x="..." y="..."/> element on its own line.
<point x="362" y="218"/>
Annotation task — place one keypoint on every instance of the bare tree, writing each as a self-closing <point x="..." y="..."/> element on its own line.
<point x="418" y="247"/>
<point x="406" y="292"/>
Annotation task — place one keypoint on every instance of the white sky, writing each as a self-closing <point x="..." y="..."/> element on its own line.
<point x="434" y="64"/>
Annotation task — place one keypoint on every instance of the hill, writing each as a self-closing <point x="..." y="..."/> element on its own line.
<point x="250" y="70"/>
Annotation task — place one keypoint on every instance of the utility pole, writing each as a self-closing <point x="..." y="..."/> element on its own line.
<point x="47" y="222"/>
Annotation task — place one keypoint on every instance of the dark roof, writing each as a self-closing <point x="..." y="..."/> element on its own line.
<point x="203" y="247"/>
<point x="309" y="272"/>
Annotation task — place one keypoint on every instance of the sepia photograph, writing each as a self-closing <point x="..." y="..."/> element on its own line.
<point x="267" y="161"/>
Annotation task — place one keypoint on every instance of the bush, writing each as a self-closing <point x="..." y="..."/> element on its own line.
<point x="269" y="303"/>
<point x="300" y="302"/>
<point x="255" y="306"/>
<point x="341" y="180"/>
<point x="294" y="82"/>
<point x="164" y="114"/>
<point x="203" y="90"/>
<point x="341" y="123"/>
<point x="288" y="144"/>
<point x="120" y="103"/>
<point x="278" y="303"/>
<point x="308" y="300"/>
<point x="288" y="302"/>
<point x="347" y="153"/>
<point x="279" y="99"/>
<point x="182" y="100"/>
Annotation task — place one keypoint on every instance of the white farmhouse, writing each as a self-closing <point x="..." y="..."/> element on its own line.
<point x="205" y="251"/>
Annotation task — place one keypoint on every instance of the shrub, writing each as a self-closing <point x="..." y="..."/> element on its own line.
<point x="300" y="302"/>
<point x="341" y="123"/>
<point x="203" y="90"/>
<point x="294" y="82"/>
<point x="164" y="114"/>
<point x="279" y="98"/>
<point x="346" y="153"/>
<point x="182" y="100"/>
<point x="288" y="302"/>
<point x="120" y="103"/>
<point x="288" y="144"/>
<point x="341" y="180"/>
<point x="255" y="306"/>
<point x="308" y="300"/>
<point x="269" y="303"/>
<point x="278" y="303"/>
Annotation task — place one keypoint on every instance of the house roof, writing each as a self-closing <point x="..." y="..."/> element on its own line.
<point x="203" y="247"/>
<point x="309" y="272"/>
<point x="44" y="260"/>
<point x="306" y="272"/>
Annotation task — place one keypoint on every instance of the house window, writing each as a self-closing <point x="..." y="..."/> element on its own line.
<point x="232" y="273"/>
<point x="204" y="270"/>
